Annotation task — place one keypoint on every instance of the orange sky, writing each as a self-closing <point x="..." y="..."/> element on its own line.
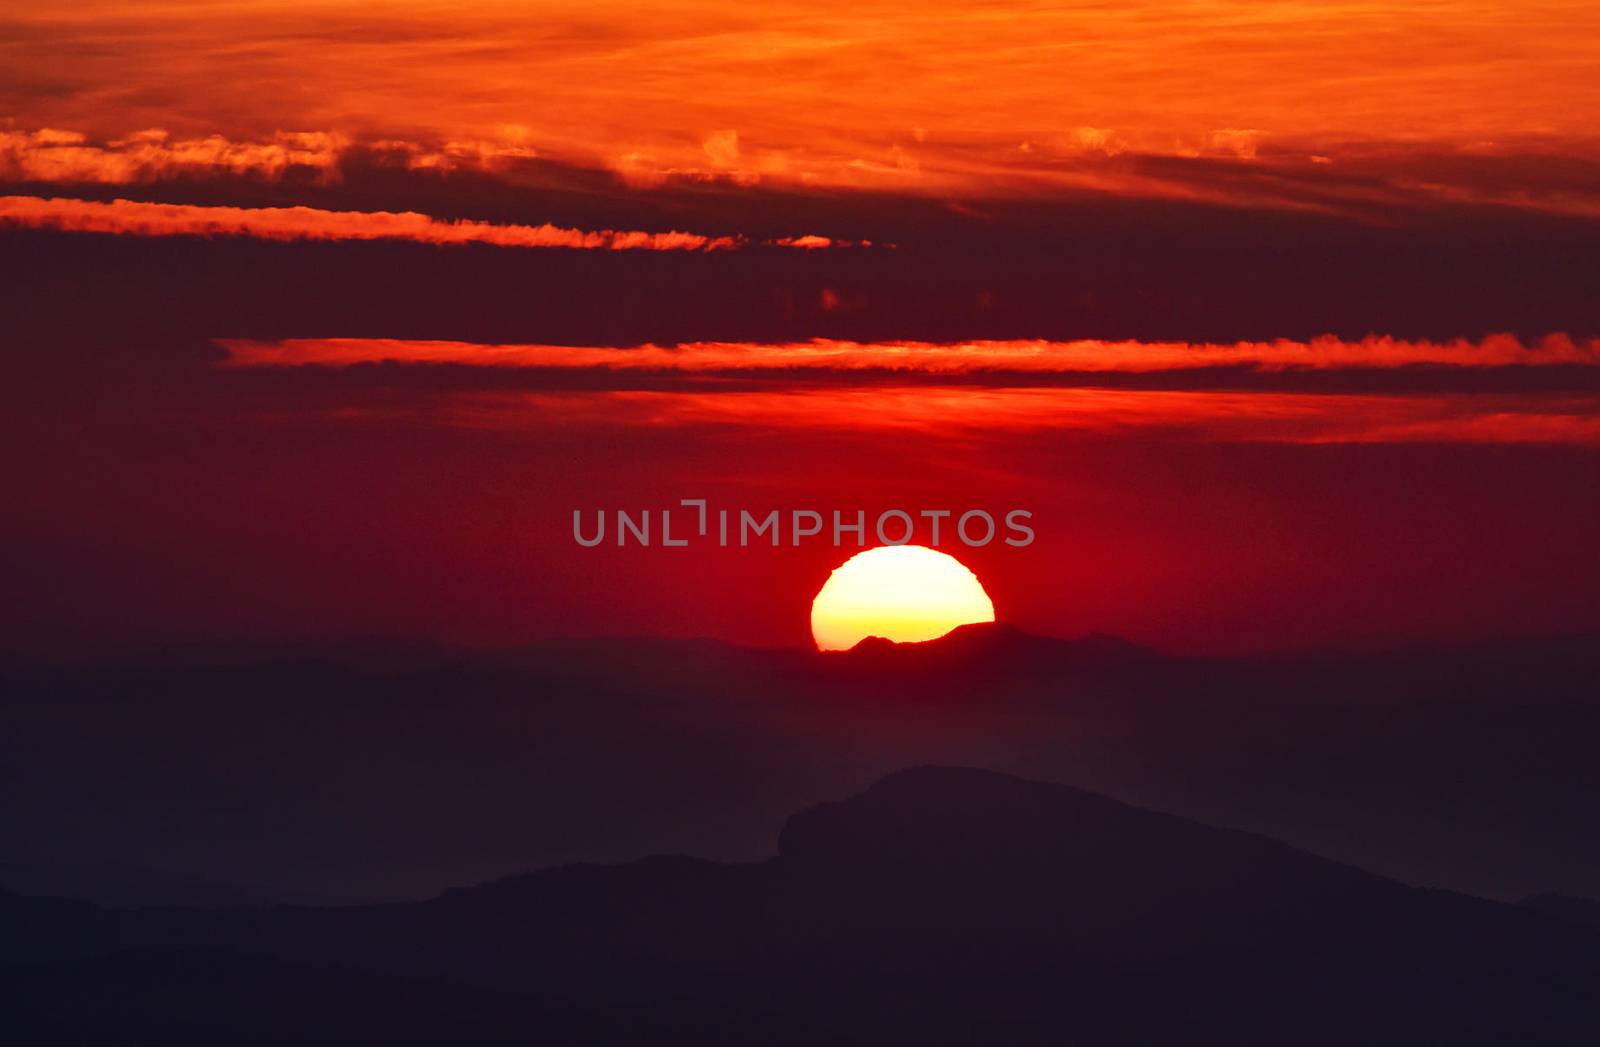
<point x="934" y="96"/>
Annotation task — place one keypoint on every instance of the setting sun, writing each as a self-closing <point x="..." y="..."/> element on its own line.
<point x="904" y="593"/>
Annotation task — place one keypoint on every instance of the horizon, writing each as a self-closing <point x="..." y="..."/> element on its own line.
<point x="367" y="647"/>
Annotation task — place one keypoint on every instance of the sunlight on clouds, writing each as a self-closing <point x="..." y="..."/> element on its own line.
<point x="965" y="414"/>
<point x="134" y="218"/>
<point x="923" y="358"/>
<point x="1023" y="401"/>
<point x="52" y="155"/>
<point x="932" y="96"/>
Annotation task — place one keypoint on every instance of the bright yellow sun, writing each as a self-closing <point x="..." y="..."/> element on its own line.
<point x="903" y="593"/>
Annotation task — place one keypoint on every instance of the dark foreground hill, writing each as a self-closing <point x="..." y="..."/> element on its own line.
<point x="939" y="906"/>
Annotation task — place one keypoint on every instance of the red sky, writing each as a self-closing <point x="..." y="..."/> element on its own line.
<point x="1280" y="318"/>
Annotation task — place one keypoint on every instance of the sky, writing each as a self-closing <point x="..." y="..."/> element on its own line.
<point x="324" y="319"/>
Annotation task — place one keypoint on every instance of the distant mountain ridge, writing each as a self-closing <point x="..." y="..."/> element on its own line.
<point x="405" y="777"/>
<point x="998" y="642"/>
<point x="945" y="905"/>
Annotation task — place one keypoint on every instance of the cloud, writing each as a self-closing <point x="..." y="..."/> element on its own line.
<point x="812" y="242"/>
<point x="51" y="155"/>
<point x="1226" y="167"/>
<point x="474" y="155"/>
<point x="930" y="389"/>
<point x="67" y="157"/>
<point x="961" y="414"/>
<point x="821" y="92"/>
<point x="1242" y="142"/>
<point x="1015" y="358"/>
<point x="135" y="218"/>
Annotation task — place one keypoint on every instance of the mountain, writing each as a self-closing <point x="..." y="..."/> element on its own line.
<point x="948" y="906"/>
<point x="991" y="648"/>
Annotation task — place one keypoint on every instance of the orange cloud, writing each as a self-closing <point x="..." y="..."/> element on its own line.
<point x="1227" y="167"/>
<point x="474" y="155"/>
<point x="309" y="223"/>
<point x="942" y="406"/>
<point x="967" y="358"/>
<point x="51" y="155"/>
<point x="825" y="92"/>
<point x="961" y="414"/>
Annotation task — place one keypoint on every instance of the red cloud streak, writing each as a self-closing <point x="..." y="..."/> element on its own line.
<point x="1021" y="357"/>
<point x="136" y="218"/>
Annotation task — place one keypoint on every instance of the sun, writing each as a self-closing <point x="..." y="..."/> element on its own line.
<point x="904" y="593"/>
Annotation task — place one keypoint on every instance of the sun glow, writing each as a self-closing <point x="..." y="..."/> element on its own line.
<point x="905" y="593"/>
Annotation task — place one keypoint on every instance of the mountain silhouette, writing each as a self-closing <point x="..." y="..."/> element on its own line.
<point x="939" y="905"/>
<point x="333" y="777"/>
<point x="991" y="647"/>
